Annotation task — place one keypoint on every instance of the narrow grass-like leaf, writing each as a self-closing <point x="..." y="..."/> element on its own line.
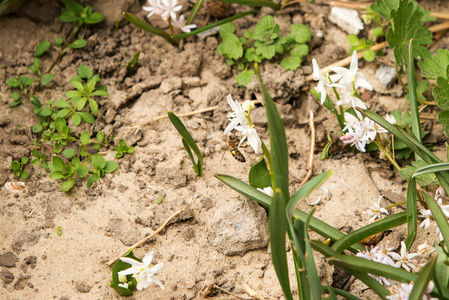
<point x="421" y="283"/>
<point x="312" y="274"/>
<point x="278" y="228"/>
<point x="194" y="11"/>
<point x="368" y="230"/>
<point x="441" y="268"/>
<point x="342" y="293"/>
<point x="357" y="263"/>
<point x="439" y="217"/>
<point x="263" y="199"/>
<point x="255" y="3"/>
<point x="147" y="27"/>
<point x="188" y="139"/>
<point x="215" y="24"/>
<point x="433" y="168"/>
<point x="412" y="213"/>
<point x="192" y="158"/>
<point x="416" y="129"/>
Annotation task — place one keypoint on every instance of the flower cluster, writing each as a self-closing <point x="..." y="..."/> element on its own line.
<point x="427" y="214"/>
<point x="401" y="291"/>
<point x="167" y="9"/>
<point x="360" y="132"/>
<point x="385" y="256"/>
<point x="376" y="211"/>
<point x="240" y="121"/>
<point x="143" y="272"/>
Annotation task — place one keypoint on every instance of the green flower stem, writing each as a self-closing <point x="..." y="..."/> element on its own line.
<point x="391" y="159"/>
<point x="171" y="27"/>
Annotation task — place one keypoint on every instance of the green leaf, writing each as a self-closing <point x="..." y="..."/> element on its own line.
<point x="421" y="283"/>
<point x="60" y="103"/>
<point x="82" y="171"/>
<point x="58" y="41"/>
<point x="92" y="179"/>
<point x="41" y="48"/>
<point x="441" y="268"/>
<point x="74" y="94"/>
<point x="384" y="7"/>
<point x="73" y="6"/>
<point x="121" y="290"/>
<point x="266" y="24"/>
<point x="56" y="175"/>
<point x="259" y="177"/>
<point x="353" y="40"/>
<point x="110" y="166"/>
<point x="37" y="128"/>
<point x="100" y="136"/>
<point x="227" y="29"/>
<point x="377" y="32"/>
<point x="94" y="18"/>
<point x="15" y="165"/>
<point x="301" y="33"/>
<point x="77" y="44"/>
<point x="98" y="161"/>
<point x="406" y="25"/>
<point x="46" y="79"/>
<point x="300" y="51"/>
<point x="58" y="164"/>
<point x="188" y="139"/>
<point x="69" y="153"/>
<point x="87" y="117"/>
<point x="131" y="150"/>
<point x="245" y="77"/>
<point x="68" y="16"/>
<point x="78" y="85"/>
<point x="85" y="72"/>
<point x="99" y="93"/>
<point x="435" y="67"/>
<point x="46" y="112"/>
<point x="12" y="82"/>
<point x="68" y="184"/>
<point x="291" y="63"/>
<point x="412" y="213"/>
<point x="93" y="105"/>
<point x="76" y="118"/>
<point x="85" y="138"/>
<point x="24" y="160"/>
<point x="369" y="55"/>
<point x="266" y="51"/>
<point x="441" y="93"/>
<point x="232" y="48"/>
<point x="25" y="174"/>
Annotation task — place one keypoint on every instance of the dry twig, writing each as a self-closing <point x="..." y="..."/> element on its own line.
<point x="312" y="149"/>
<point x="143" y="241"/>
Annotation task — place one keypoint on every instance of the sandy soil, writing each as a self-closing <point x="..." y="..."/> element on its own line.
<point x="222" y="238"/>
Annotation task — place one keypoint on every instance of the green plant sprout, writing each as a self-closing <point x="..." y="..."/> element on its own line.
<point x="189" y="144"/>
<point x="365" y="44"/>
<point x="59" y="232"/>
<point x="18" y="168"/>
<point x="132" y="65"/>
<point x="159" y="199"/>
<point x="263" y="44"/>
<point x="121" y="149"/>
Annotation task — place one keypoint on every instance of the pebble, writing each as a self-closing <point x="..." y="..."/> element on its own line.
<point x="386" y="76"/>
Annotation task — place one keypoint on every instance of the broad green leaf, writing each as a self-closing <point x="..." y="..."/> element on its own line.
<point x="94" y="18"/>
<point x="85" y="138"/>
<point x="79" y="43"/>
<point x="378" y="32"/>
<point x="267" y="52"/>
<point x="69" y="153"/>
<point x="245" y="77"/>
<point x="61" y="103"/>
<point x="110" y="166"/>
<point x="93" y="105"/>
<point x="99" y="93"/>
<point x="63" y="112"/>
<point x="443" y="118"/>
<point x="250" y="55"/>
<point x="68" y="16"/>
<point x="98" y="161"/>
<point x="73" y="6"/>
<point x="227" y="29"/>
<point x="73" y="94"/>
<point x="92" y="179"/>
<point x="406" y="24"/>
<point x="37" y="128"/>
<point x="369" y="55"/>
<point x="231" y="46"/>
<point x="58" y="163"/>
<point x="68" y="184"/>
<point x="45" y="112"/>
<point x="87" y="117"/>
<point x="15" y="165"/>
<point x="82" y="171"/>
<point x="46" y="79"/>
<point x="435" y="67"/>
<point x="384" y="7"/>
<point x="41" y="48"/>
<point x="56" y="175"/>
<point x="259" y="177"/>
<point x="441" y="92"/>
<point x="12" y="82"/>
<point x="266" y="24"/>
<point x="76" y="118"/>
<point x="77" y="84"/>
<point x="25" y="174"/>
<point x="85" y="72"/>
<point x="301" y="33"/>
<point x="291" y="63"/>
<point x="353" y="40"/>
<point x="300" y="51"/>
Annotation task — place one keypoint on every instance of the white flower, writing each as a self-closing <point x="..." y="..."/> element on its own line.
<point x="401" y="291"/>
<point x="351" y="76"/>
<point x="347" y="96"/>
<point x="170" y="8"/>
<point x="267" y="190"/>
<point x="427" y="214"/>
<point x="405" y="259"/>
<point x="376" y="211"/>
<point x="425" y="249"/>
<point x="250" y="134"/>
<point x="323" y="80"/>
<point x="359" y="133"/>
<point x="143" y="271"/>
<point x="248" y="105"/>
<point x="123" y="285"/>
<point x="391" y="119"/>
<point x="181" y="24"/>
<point x="378" y="255"/>
<point x="154" y="8"/>
<point x="238" y="116"/>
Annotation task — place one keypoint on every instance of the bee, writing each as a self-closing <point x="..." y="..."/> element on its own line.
<point x="233" y="144"/>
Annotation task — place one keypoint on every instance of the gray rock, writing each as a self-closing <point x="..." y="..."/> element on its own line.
<point x="170" y="84"/>
<point x="239" y="226"/>
<point x="386" y="76"/>
<point x="8" y="260"/>
<point x="6" y="276"/>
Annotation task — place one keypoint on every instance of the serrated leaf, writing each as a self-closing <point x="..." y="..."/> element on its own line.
<point x="227" y="29"/>
<point x="245" y="77"/>
<point x="406" y="24"/>
<point x="384" y="7"/>
<point x="300" y="51"/>
<point x="232" y="48"/>
<point x="46" y="79"/>
<point x="266" y="24"/>
<point x="41" y="48"/>
<point x="85" y="72"/>
<point x="435" y="67"/>
<point x="291" y="63"/>
<point x="80" y="43"/>
<point x="266" y="51"/>
<point x="301" y="33"/>
<point x="443" y="118"/>
<point x="250" y="55"/>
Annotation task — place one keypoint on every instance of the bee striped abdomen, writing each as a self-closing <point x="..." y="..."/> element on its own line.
<point x="233" y="144"/>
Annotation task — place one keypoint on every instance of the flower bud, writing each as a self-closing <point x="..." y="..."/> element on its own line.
<point x="247" y="105"/>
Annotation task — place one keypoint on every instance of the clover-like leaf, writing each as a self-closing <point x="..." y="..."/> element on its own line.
<point x="301" y="33"/>
<point x="441" y="92"/>
<point x="245" y="77"/>
<point x="291" y="63"/>
<point x="406" y="24"/>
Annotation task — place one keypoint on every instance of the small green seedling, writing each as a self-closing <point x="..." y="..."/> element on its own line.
<point x="22" y="83"/>
<point x="264" y="43"/>
<point x="132" y="65"/>
<point x="18" y="168"/>
<point x="103" y="140"/>
<point x="122" y="149"/>
<point x="35" y="68"/>
<point x="100" y="168"/>
<point x="60" y="170"/>
<point x="189" y="144"/>
<point x="59" y="232"/>
<point x="159" y="199"/>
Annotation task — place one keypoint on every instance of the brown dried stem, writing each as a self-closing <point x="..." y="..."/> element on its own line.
<point x="312" y="150"/>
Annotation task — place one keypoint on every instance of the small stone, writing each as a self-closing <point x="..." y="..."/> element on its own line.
<point x="83" y="287"/>
<point x="21" y="282"/>
<point x="386" y="76"/>
<point x="347" y="19"/>
<point x="170" y="84"/>
<point x="31" y="261"/>
<point x="8" y="260"/>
